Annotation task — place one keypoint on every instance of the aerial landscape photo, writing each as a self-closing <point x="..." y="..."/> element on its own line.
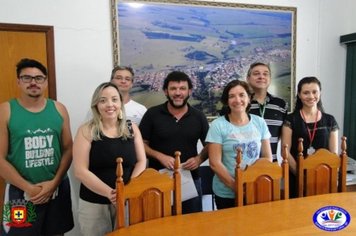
<point x="213" y="45"/>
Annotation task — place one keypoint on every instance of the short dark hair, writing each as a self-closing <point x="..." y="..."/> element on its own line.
<point x="26" y="63"/>
<point x="177" y="76"/>
<point x="116" y="68"/>
<point x="253" y="65"/>
<point x="225" y="95"/>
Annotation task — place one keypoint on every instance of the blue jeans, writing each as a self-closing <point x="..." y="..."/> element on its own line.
<point x="194" y="204"/>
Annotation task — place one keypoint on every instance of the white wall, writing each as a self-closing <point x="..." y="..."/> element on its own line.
<point x="331" y="55"/>
<point x="83" y="47"/>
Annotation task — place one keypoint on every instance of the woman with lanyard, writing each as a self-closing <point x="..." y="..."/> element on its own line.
<point x="308" y="121"/>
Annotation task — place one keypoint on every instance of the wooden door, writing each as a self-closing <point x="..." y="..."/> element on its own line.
<point x="24" y="41"/>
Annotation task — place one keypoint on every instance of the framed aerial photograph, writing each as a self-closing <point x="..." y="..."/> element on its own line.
<point x="213" y="42"/>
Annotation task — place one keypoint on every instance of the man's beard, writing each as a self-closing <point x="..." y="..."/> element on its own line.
<point x="34" y="96"/>
<point x="185" y="101"/>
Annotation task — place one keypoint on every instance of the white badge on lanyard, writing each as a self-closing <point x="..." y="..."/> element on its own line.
<point x="310" y="150"/>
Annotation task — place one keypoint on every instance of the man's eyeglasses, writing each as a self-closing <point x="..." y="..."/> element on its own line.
<point x="127" y="79"/>
<point x="39" y="79"/>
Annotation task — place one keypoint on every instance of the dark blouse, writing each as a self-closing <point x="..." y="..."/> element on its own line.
<point x="324" y="127"/>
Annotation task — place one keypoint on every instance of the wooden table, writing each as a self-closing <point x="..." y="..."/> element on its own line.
<point x="286" y="217"/>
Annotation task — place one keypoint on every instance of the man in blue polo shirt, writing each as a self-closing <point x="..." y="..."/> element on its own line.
<point x="272" y="109"/>
<point x="176" y="126"/>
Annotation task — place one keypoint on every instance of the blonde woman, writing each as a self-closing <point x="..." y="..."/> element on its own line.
<point x="97" y="144"/>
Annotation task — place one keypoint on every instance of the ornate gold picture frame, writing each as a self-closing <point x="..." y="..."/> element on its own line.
<point x="213" y="42"/>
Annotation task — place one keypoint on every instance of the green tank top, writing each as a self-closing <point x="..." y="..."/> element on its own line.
<point x="35" y="139"/>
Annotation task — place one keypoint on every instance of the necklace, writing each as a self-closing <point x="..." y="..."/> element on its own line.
<point x="311" y="134"/>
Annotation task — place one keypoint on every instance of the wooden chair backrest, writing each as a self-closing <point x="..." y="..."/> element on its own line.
<point x="321" y="172"/>
<point x="148" y="196"/>
<point x="263" y="181"/>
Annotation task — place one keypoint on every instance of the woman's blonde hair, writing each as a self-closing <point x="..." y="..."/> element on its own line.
<point x="95" y="124"/>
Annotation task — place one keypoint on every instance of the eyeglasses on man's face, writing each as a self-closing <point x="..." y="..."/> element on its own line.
<point x="39" y="79"/>
<point x="123" y="78"/>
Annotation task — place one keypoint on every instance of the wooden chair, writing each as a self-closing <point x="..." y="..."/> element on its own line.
<point x="321" y="172"/>
<point x="149" y="195"/>
<point x="263" y="181"/>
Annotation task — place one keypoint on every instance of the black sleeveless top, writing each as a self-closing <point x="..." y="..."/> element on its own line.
<point x="102" y="162"/>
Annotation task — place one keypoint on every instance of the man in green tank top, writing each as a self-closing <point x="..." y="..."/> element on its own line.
<point x="35" y="154"/>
